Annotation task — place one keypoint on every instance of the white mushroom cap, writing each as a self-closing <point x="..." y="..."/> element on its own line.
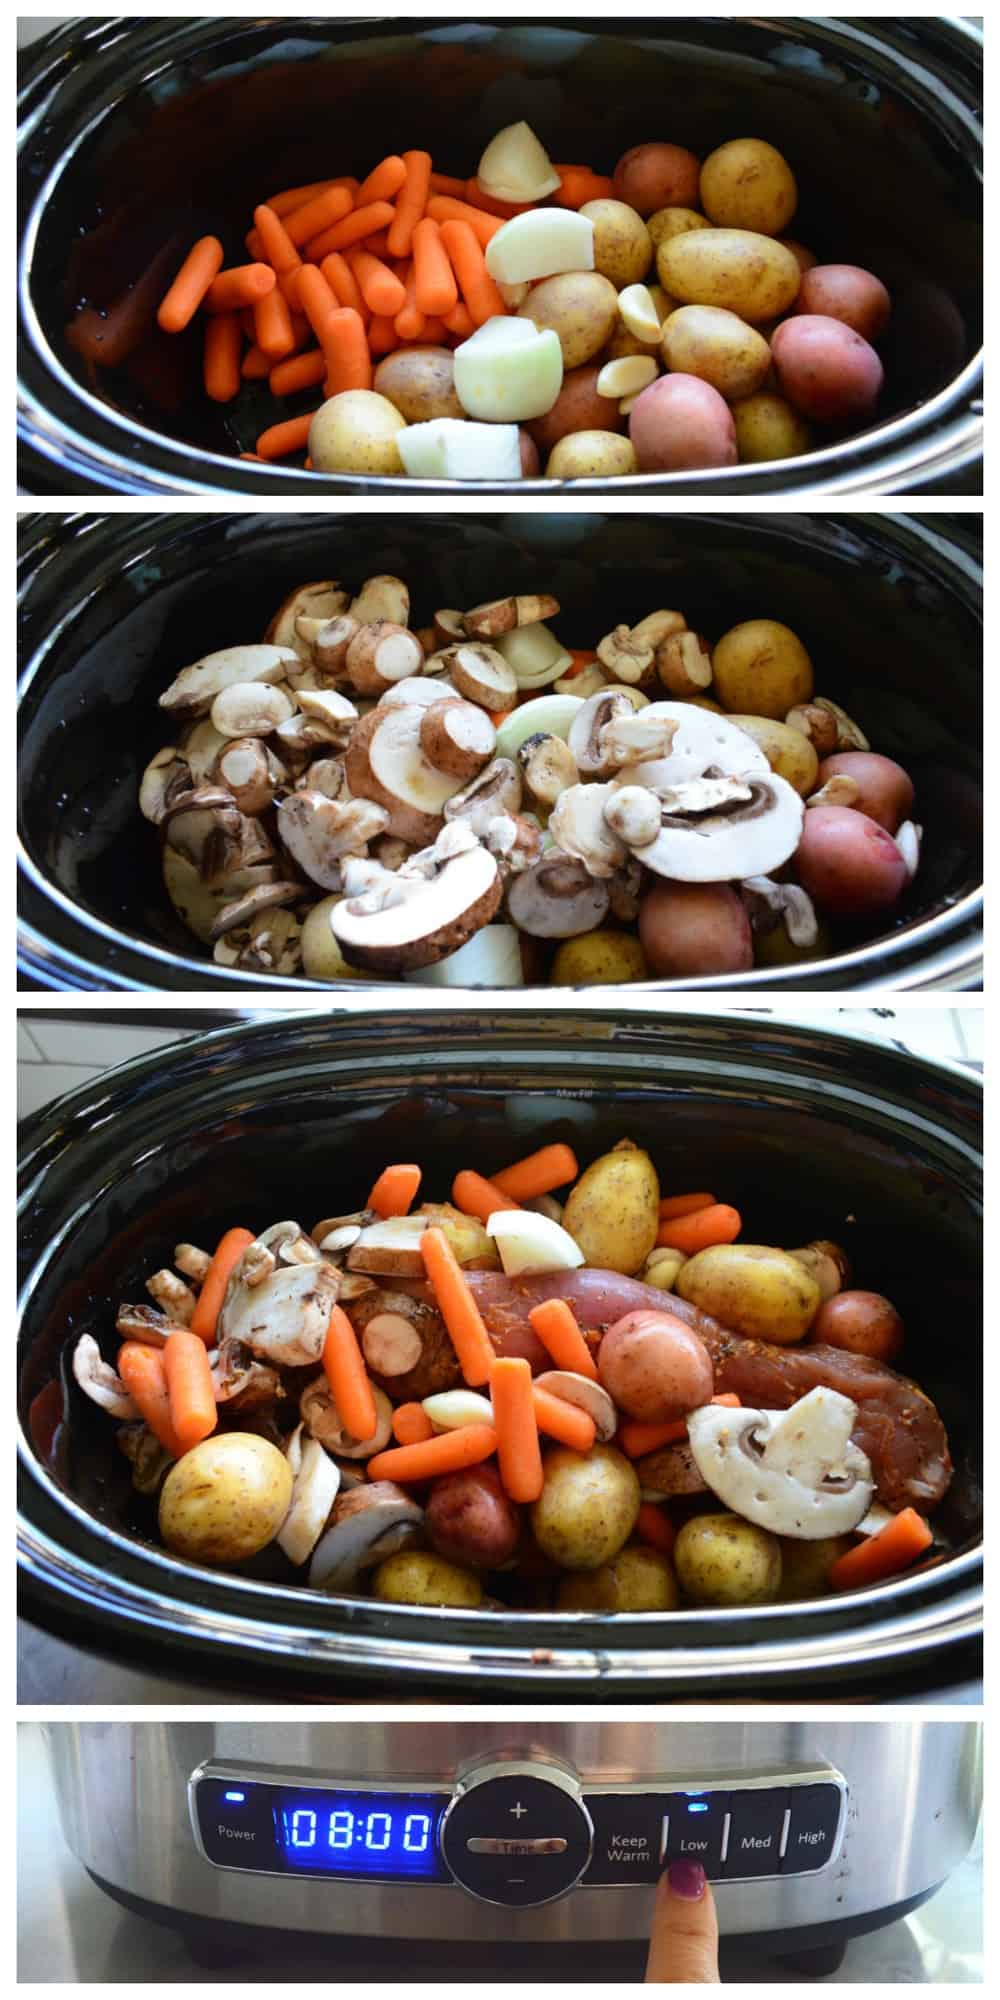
<point x="316" y="1484"/>
<point x="756" y="829"/>
<point x="793" y="1471"/>
<point x="702" y="742"/>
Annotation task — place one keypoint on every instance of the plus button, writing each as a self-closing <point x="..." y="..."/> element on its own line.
<point x="519" y="1810"/>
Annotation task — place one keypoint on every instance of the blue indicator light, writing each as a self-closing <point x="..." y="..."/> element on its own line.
<point x="697" y="1808"/>
<point x="235" y="1798"/>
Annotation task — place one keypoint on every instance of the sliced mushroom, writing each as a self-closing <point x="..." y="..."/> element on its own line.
<point x="756" y="831"/>
<point x="252" y="708"/>
<point x="284" y="1319"/>
<point x="634" y="813"/>
<point x="369" y="1523"/>
<point x="240" y="1382"/>
<point x="818" y="724"/>
<point x="578" y="825"/>
<point x="167" y="777"/>
<point x="827" y="1264"/>
<point x="99" y="1381"/>
<point x="423" y="691"/>
<point x="149" y="1461"/>
<point x="323" y="1421"/>
<point x="172" y="1295"/>
<point x="391" y="1344"/>
<point x="517" y="841"/>
<point x="793" y="1471"/>
<point x="771" y="903"/>
<point x="326" y="775"/>
<point x="840" y="790"/>
<point x="701" y="742"/>
<point x="627" y="657"/>
<point x="405" y="921"/>
<point x="584" y="1394"/>
<point x="436" y="1367"/>
<point x="318" y="832"/>
<point x="381" y="654"/>
<point x="496" y="790"/>
<point x="482" y="674"/>
<point x="589" y="681"/>
<point x="382" y="597"/>
<point x="251" y="771"/>
<point x="505" y="614"/>
<point x="242" y="912"/>
<point x="194" y="1263"/>
<point x="334" y="711"/>
<point x="908" y="840"/>
<point x="316" y="1483"/>
<point x="625" y="891"/>
<point x="196" y="687"/>
<point x="146" y="1323"/>
<point x="548" y="767"/>
<point x="593" y="753"/>
<point x="311" y="600"/>
<point x="198" y="903"/>
<point x="201" y="747"/>
<point x="270" y="942"/>
<point x="457" y="737"/>
<point x="303" y="735"/>
<point x="684" y="664"/>
<point x="449" y="628"/>
<point x="385" y="762"/>
<point x="328" y="643"/>
<point x="557" y="898"/>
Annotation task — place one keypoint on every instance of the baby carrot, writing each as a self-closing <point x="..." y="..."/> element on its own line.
<point x="563" y="1420"/>
<point x="449" y="1452"/>
<point x="461" y="322"/>
<point x="142" y="1371"/>
<point x="213" y="1289"/>
<point x="435" y="289"/>
<point x="254" y="245"/>
<point x="381" y="290"/>
<point x="578" y="185"/>
<point x="256" y="364"/>
<point x="897" y="1545"/>
<point x="458" y="1308"/>
<point x="223" y="345"/>
<point x="273" y="326"/>
<point x="342" y="281"/>
<point x="692" y="1233"/>
<point x="348" y="356"/>
<point x="674" y="1206"/>
<point x="243" y="285"/>
<point x="411" y="1424"/>
<point x="200" y="266"/>
<point x="384" y="181"/>
<point x="382" y="335"/>
<point x="551" y="1167"/>
<point x="465" y="254"/>
<point x="518" y="1449"/>
<point x="304" y="371"/>
<point x="395" y="1191"/>
<point x="190" y="1389"/>
<point x="411" y="203"/>
<point x="291" y="198"/>
<point x="281" y="440"/>
<point x="322" y="212"/>
<point x="637" y="1439"/>
<point x="654" y="1527"/>
<point x="410" y="322"/>
<point x="446" y="184"/>
<point x="344" y="1368"/>
<point x="353" y="229"/>
<point x="442" y="208"/>
<point x="315" y="298"/>
<point x="560" y="1335"/>
<point x="476" y="1196"/>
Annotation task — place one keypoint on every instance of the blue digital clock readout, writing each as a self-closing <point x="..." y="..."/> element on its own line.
<point x="366" y="1834"/>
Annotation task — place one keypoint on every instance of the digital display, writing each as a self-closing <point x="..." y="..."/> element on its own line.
<point x="392" y="1834"/>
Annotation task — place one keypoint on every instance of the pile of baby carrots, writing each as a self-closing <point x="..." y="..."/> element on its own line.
<point x="341" y="273"/>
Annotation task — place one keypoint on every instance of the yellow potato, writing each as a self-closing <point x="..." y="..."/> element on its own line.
<point x="737" y="269"/>
<point x="775" y="947"/>
<point x="415" y="1576"/>
<point x="581" y="307"/>
<point x="747" y="184"/>
<point x="321" y="954"/>
<point x="788" y="752"/>
<point x="767" y="428"/>
<point x="718" y="347"/>
<point x="420" y="383"/>
<point x="723" y="1560"/>
<point x="753" y="1289"/>
<point x="638" y="1579"/>
<point x="592" y="455"/>
<point x="613" y="1212"/>
<point x="761" y="668"/>
<point x="805" y="1566"/>
<point x="464" y="1234"/>
<point x="623" y="248"/>
<point x="587" y="1508"/>
<point x="356" y="432"/>
<point x="668" y="222"/>
<point x="600" y="958"/>
<point x="226" y="1498"/>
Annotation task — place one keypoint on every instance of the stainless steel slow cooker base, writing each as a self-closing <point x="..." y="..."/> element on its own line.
<point x="911" y="1794"/>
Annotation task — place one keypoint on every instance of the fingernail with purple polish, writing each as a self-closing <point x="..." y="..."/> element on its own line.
<point x="687" y="1879"/>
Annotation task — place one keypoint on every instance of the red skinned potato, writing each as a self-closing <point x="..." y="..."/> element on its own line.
<point x="680" y="424"/>
<point x="470" y="1519"/>
<point x="846" y="292"/>
<point x="654" y="1368"/>
<point x="861" y="1322"/>
<point x="850" y="866"/>
<point x="885" y="790"/>
<point x="657" y="176"/>
<point x="578" y="407"/>
<point x="692" y="928"/>
<point x="531" y="467"/>
<point x="826" y="369"/>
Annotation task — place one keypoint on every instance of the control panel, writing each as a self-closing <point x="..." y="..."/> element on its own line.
<point x="519" y="1831"/>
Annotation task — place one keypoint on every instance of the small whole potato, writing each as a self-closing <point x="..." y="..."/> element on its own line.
<point x="580" y="306"/>
<point x="848" y="864"/>
<point x="356" y="432"/>
<point x="531" y="464"/>
<point x="321" y="954"/>
<point x="592" y="455"/>
<point x="599" y="958"/>
<point x="827" y="370"/>
<point x="694" y="929"/>
<point x="420" y="383"/>
<point x="578" y="407"/>
<point x="761" y="668"/>
<point x="803" y="257"/>
<point x="657" y="176"/>
<point x="667" y="222"/>
<point x="623" y="247"/>
<point x="806" y="1566"/>
<point x="718" y="347"/>
<point x="470" y="1520"/>
<point x="654" y="1367"/>
<point x="613" y="1210"/>
<point x="679" y="424"/>
<point x="226" y="1498"/>
<point x="721" y="1559"/>
<point x="639" y="1579"/>
<point x="788" y="752"/>
<point x="848" y="293"/>
<point x="753" y="1289"/>
<point x="775" y="947"/>
<point x="767" y="428"/>
<point x="747" y="184"/>
<point x="885" y="790"/>
<point x="861" y="1322"/>
<point x="416" y="1576"/>
<point x="587" y="1508"/>
<point x="738" y="269"/>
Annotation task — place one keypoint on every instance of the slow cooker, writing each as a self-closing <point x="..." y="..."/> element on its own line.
<point x="490" y="1839"/>
<point x="806" y="1131"/>
<point x="134" y="132"/>
<point x="112" y="607"/>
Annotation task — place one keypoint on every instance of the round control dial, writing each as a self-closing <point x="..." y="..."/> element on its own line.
<point x="517" y="1834"/>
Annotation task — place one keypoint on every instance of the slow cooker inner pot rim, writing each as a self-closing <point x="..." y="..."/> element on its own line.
<point x="884" y="167"/>
<point x="116" y="615"/>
